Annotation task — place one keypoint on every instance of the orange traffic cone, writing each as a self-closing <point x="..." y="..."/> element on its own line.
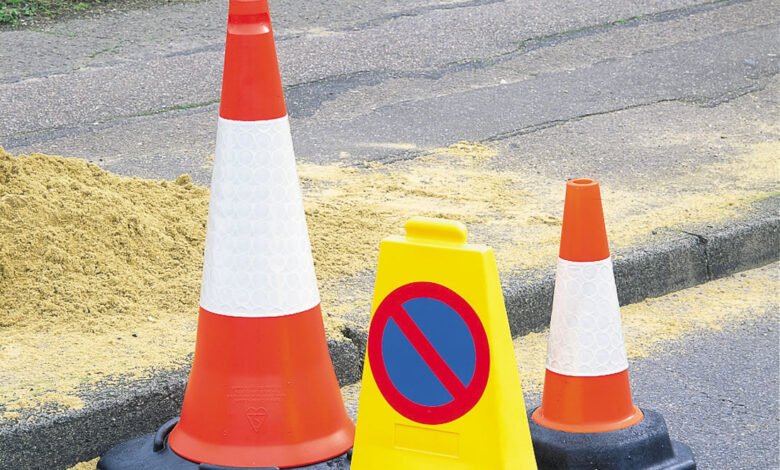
<point x="586" y="386"/>
<point x="587" y="418"/>
<point x="262" y="391"/>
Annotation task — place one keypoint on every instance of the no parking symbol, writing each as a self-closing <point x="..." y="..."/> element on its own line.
<point x="429" y="353"/>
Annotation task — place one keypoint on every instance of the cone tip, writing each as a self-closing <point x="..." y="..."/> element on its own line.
<point x="582" y="183"/>
<point x="247" y="7"/>
<point x="583" y="235"/>
<point x="251" y="84"/>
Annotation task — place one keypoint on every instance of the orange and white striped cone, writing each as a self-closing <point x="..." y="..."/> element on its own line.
<point x="587" y="418"/>
<point x="262" y="390"/>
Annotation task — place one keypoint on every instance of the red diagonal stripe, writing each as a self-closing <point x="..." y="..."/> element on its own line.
<point x="429" y="354"/>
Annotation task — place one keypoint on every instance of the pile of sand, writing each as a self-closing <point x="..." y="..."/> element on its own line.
<point x="94" y="251"/>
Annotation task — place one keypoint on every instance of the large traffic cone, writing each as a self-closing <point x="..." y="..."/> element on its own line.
<point x="587" y="418"/>
<point x="262" y="391"/>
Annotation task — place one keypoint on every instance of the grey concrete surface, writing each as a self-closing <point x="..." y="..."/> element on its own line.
<point x="719" y="394"/>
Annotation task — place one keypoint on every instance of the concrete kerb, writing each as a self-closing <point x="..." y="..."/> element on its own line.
<point x="119" y="411"/>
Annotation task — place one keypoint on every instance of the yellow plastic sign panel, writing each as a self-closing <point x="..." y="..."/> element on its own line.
<point x="440" y="386"/>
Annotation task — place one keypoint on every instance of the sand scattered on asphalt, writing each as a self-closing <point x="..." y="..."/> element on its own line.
<point x="110" y="266"/>
<point x="350" y="210"/>
<point x="466" y="149"/>
<point x="91" y="465"/>
<point x="519" y="214"/>
<point x="650" y="326"/>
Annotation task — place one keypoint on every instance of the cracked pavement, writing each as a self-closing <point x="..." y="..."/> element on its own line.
<point x="138" y="91"/>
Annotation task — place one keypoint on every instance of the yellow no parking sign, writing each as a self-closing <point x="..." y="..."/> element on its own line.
<point x="440" y="385"/>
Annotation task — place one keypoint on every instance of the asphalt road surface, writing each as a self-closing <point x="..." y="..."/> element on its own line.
<point x="137" y="91"/>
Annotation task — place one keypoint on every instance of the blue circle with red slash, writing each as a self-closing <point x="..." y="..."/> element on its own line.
<point x="429" y="353"/>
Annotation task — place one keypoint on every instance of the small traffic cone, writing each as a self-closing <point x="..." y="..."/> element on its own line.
<point x="587" y="418"/>
<point x="262" y="390"/>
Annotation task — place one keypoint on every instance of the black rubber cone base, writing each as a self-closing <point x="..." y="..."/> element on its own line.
<point x="151" y="452"/>
<point x="646" y="445"/>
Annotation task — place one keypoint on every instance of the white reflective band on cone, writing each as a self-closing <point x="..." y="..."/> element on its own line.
<point x="586" y="337"/>
<point x="258" y="260"/>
